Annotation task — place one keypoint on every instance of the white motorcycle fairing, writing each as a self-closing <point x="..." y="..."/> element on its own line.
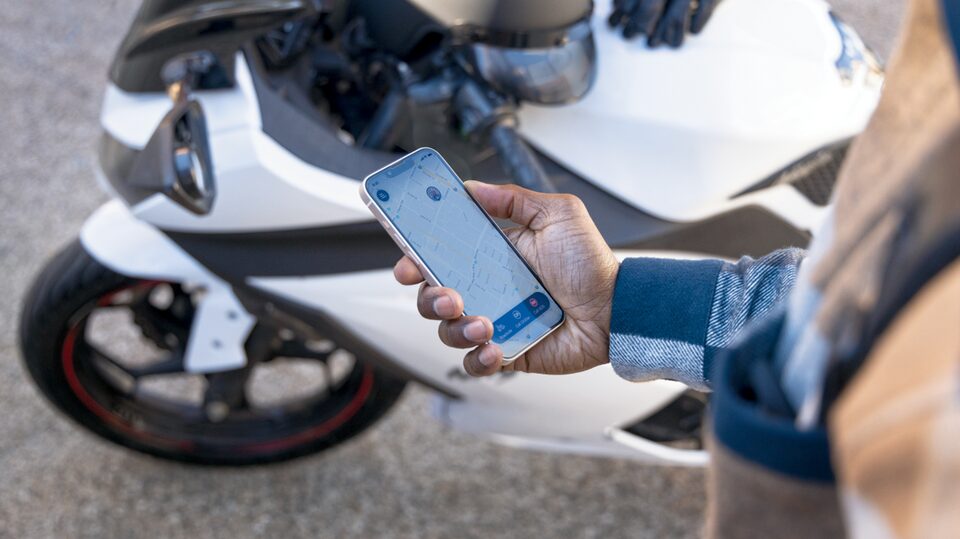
<point x="678" y="132"/>
<point x="669" y="132"/>
<point x="131" y="247"/>
<point x="567" y="413"/>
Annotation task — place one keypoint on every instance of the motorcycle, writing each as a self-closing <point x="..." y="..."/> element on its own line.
<point x="234" y="302"/>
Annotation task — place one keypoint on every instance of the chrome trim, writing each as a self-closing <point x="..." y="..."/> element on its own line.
<point x="554" y="75"/>
<point x="855" y="56"/>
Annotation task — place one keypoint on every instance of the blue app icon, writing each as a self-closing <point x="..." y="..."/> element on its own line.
<point x="383" y="195"/>
<point x="520" y="317"/>
<point x="433" y="193"/>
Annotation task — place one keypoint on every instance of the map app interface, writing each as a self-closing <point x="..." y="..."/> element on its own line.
<point x="464" y="250"/>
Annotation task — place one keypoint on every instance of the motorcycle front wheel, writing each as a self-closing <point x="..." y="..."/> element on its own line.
<point x="107" y="351"/>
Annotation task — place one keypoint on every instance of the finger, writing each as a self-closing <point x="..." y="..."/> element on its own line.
<point x="631" y="29"/>
<point x="439" y="303"/>
<point x="670" y="34"/>
<point x="523" y="206"/>
<point x="646" y="15"/>
<point x="627" y="6"/>
<point x="623" y="8"/>
<point x="466" y="331"/>
<point x="513" y="233"/>
<point x="483" y="360"/>
<point x="618" y="15"/>
<point x="615" y="18"/>
<point x="670" y="28"/>
<point x="517" y="204"/>
<point x="654" y="40"/>
<point x="674" y="36"/>
<point x="702" y="15"/>
<point x="406" y="271"/>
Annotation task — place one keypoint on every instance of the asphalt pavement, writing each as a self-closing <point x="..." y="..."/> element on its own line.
<point x="407" y="477"/>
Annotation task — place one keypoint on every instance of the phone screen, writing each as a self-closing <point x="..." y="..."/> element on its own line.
<point x="464" y="249"/>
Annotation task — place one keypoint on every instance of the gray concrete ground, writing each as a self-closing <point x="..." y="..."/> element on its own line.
<point x="406" y="477"/>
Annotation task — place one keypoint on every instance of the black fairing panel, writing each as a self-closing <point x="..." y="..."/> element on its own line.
<point x="289" y="117"/>
<point x="398" y="26"/>
<point x="163" y="29"/>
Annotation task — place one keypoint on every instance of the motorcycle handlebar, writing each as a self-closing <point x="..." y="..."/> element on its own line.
<point x="519" y="160"/>
<point x="480" y="113"/>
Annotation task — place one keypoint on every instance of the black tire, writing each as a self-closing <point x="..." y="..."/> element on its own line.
<point x="61" y="299"/>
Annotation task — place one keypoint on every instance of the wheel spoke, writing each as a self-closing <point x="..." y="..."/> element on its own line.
<point x="109" y="360"/>
<point x="115" y="372"/>
<point x="226" y="393"/>
<point x="328" y="387"/>
<point x="299" y="349"/>
<point x="172" y="363"/>
<point x="166" y="323"/>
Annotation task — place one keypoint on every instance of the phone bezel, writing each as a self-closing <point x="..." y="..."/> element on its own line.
<point x="432" y="279"/>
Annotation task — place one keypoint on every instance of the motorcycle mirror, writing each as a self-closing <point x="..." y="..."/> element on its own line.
<point x="176" y="160"/>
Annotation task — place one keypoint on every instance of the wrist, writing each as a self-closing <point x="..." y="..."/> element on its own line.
<point x="607" y="281"/>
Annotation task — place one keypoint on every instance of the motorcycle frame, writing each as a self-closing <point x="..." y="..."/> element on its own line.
<point x="147" y="240"/>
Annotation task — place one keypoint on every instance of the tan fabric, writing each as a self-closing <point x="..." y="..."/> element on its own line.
<point x="749" y="501"/>
<point x="896" y="430"/>
<point x="920" y="107"/>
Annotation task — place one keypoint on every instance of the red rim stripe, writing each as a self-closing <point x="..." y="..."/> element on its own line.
<point x="67" y="356"/>
<point x="324" y="428"/>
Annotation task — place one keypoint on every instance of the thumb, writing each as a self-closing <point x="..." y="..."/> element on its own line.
<point x="522" y="206"/>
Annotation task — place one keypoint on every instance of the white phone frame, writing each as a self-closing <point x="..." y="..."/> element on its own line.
<point x="428" y="275"/>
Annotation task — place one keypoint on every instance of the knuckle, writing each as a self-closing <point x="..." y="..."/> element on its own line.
<point x="451" y="333"/>
<point x="425" y="302"/>
<point x="572" y="204"/>
<point x="470" y="364"/>
<point x="443" y="331"/>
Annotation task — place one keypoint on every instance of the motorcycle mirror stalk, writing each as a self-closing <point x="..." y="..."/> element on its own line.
<point x="177" y="161"/>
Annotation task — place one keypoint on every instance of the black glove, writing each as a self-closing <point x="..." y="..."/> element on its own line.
<point x="662" y="21"/>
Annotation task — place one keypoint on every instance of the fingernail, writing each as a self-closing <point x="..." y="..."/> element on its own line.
<point x="488" y="356"/>
<point x="475" y="331"/>
<point x="444" y="306"/>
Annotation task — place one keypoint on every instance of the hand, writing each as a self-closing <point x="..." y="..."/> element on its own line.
<point x="662" y="21"/>
<point x="559" y="240"/>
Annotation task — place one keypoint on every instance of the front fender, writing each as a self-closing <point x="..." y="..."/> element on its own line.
<point x="127" y="245"/>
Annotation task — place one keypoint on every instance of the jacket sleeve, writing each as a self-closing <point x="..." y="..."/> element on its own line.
<point x="669" y="317"/>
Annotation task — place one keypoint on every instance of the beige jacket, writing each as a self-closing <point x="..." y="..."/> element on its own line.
<point x="894" y="431"/>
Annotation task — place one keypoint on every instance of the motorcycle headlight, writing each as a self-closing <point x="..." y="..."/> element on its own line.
<point x="548" y="75"/>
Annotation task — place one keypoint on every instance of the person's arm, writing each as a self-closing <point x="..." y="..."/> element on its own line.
<point x="652" y="318"/>
<point x="669" y="317"/>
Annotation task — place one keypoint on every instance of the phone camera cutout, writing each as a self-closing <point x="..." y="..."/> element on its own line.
<point x="382" y="195"/>
<point x="433" y="193"/>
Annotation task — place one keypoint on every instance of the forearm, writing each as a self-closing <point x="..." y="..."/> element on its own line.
<point x="669" y="317"/>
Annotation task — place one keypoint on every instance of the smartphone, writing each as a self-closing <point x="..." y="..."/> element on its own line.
<point x="426" y="209"/>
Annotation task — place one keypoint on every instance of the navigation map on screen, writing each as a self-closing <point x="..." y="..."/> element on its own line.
<point x="428" y="205"/>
